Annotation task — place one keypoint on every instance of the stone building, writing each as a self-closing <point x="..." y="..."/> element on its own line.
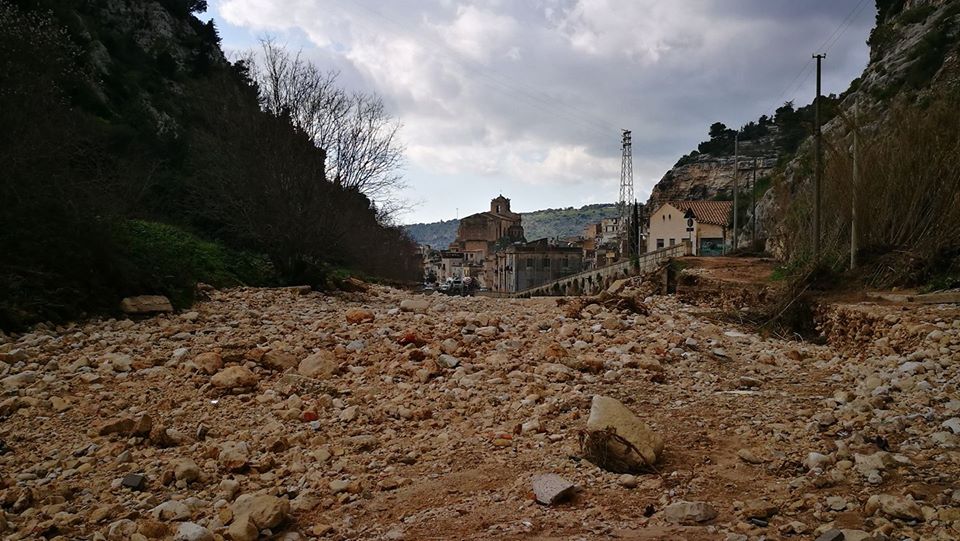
<point x="522" y="266"/>
<point x="480" y="235"/>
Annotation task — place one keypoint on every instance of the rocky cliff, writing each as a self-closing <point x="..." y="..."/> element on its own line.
<point x="710" y="174"/>
<point x="708" y="177"/>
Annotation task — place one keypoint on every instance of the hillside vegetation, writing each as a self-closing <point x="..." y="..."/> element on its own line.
<point x="549" y="223"/>
<point x="904" y="109"/>
<point x="128" y="136"/>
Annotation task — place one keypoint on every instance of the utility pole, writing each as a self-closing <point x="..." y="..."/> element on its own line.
<point x="736" y="185"/>
<point x="818" y="174"/>
<point x="753" y="204"/>
<point x="854" y="241"/>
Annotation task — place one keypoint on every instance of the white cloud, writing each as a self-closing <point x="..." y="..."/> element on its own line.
<point x="536" y="92"/>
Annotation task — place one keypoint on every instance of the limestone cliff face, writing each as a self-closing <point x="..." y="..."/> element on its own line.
<point x="707" y="178"/>
<point x="914" y="54"/>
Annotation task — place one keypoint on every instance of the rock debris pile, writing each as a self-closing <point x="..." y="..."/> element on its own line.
<point x="288" y="415"/>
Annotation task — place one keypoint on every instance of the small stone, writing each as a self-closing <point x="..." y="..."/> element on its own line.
<point x="418" y="306"/>
<point x="760" y="509"/>
<point x="747" y="456"/>
<point x="234" y="377"/>
<point x="189" y="531"/>
<point x="836" y="503"/>
<point x="320" y="365"/>
<point x="358" y="315"/>
<point x="448" y="361"/>
<point x="902" y="507"/>
<point x="134" y="481"/>
<point x="234" y="455"/>
<point x="185" y="469"/>
<point x="628" y="481"/>
<point x="146" y="304"/>
<point x="278" y="360"/>
<point x="831" y="535"/>
<point x="689" y="512"/>
<point x="263" y="510"/>
<point x="208" y="363"/>
<point x="550" y="488"/>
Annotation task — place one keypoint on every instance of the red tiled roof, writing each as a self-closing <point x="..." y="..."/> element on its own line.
<point x="707" y="212"/>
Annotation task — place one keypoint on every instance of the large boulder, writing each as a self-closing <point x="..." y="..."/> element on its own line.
<point x="146" y="304"/>
<point x="617" y="440"/>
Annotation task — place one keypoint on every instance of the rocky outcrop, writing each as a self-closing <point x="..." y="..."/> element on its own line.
<point x="707" y="177"/>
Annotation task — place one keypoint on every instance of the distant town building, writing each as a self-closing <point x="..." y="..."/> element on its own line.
<point x="610" y="231"/>
<point x="480" y="235"/>
<point x="706" y="224"/>
<point x="522" y="266"/>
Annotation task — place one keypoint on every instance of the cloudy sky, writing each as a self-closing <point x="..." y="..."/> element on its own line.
<point x="528" y="97"/>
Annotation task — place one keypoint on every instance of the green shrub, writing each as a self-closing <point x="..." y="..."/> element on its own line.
<point x="161" y="258"/>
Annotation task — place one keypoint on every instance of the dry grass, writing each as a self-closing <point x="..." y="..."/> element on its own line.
<point x="908" y="194"/>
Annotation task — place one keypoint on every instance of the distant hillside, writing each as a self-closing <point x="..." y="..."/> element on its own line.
<point x="566" y="222"/>
<point x="435" y="234"/>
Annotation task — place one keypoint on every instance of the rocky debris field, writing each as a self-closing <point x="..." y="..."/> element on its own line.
<point x="281" y="414"/>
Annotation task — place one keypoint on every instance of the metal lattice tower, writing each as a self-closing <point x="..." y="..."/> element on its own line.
<point x="626" y="186"/>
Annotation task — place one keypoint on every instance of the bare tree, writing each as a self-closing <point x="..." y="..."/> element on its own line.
<point x="354" y="129"/>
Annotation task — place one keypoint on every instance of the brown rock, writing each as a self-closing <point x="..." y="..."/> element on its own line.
<point x="123" y="425"/>
<point x="263" y="510"/>
<point x="234" y="377"/>
<point x="359" y="315"/>
<point x="209" y="362"/>
<point x="320" y="365"/>
<point x="146" y="304"/>
<point x="278" y="360"/>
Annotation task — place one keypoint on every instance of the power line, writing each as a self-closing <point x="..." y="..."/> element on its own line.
<point x="807" y="70"/>
<point x="844" y="25"/>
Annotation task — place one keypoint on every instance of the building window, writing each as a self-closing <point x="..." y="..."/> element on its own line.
<point x="673" y="242"/>
<point x="659" y="243"/>
<point x="529" y="263"/>
<point x="546" y="263"/>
